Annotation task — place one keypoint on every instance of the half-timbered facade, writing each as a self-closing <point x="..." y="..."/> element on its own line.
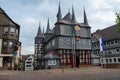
<point x="69" y="39"/>
<point x="9" y="40"/>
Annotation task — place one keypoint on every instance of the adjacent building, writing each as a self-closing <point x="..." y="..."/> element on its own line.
<point x="9" y="41"/>
<point x="39" y="46"/>
<point x="110" y="57"/>
<point x="69" y="40"/>
<point x="29" y="63"/>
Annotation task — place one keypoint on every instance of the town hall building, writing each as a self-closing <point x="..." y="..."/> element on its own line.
<point x="68" y="43"/>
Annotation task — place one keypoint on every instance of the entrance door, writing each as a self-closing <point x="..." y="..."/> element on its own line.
<point x="7" y="63"/>
<point x="71" y="60"/>
<point x="77" y="61"/>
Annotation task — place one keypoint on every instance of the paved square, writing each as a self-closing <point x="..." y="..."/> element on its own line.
<point x="82" y="73"/>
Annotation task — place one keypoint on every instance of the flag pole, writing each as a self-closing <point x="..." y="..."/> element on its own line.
<point x="101" y="41"/>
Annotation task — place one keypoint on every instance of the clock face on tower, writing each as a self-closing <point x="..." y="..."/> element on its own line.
<point x="77" y="28"/>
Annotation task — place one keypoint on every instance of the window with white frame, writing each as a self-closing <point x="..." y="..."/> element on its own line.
<point x="101" y="61"/>
<point x="106" y="61"/>
<point x="116" y="41"/>
<point x="51" y="62"/>
<point x="12" y="30"/>
<point x="6" y="30"/>
<point x="117" y="50"/>
<point x="114" y="60"/>
<point x="112" y="42"/>
<point x="110" y="60"/>
<point x="118" y="59"/>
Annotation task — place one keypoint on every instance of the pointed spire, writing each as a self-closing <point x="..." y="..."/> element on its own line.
<point x="48" y="24"/>
<point x="43" y="29"/>
<point x="59" y="15"/>
<point x="73" y="15"/>
<point x="39" y="31"/>
<point x="85" y="18"/>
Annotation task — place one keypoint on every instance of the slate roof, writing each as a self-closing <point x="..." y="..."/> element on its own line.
<point x="109" y="33"/>
<point x="68" y="17"/>
<point x="39" y="33"/>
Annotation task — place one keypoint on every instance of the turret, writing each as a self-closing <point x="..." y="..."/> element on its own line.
<point x="85" y="18"/>
<point x="73" y="16"/>
<point x="39" y="33"/>
<point x="59" y="15"/>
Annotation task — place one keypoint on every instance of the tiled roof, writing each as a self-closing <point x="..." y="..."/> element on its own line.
<point x="109" y="33"/>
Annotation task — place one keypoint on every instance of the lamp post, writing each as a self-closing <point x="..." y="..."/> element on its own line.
<point x="75" y="28"/>
<point x="38" y="52"/>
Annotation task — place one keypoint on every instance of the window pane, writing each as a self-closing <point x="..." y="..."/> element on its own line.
<point x="5" y="44"/>
<point x="110" y="60"/>
<point x="5" y="30"/>
<point x="12" y="30"/>
<point x="115" y="60"/>
<point x="118" y="59"/>
<point x="16" y="31"/>
<point x="10" y="44"/>
<point x="53" y="42"/>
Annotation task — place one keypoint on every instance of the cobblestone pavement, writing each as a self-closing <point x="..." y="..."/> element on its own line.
<point x="82" y="73"/>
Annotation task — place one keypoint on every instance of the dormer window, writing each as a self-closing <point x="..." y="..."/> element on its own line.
<point x="6" y="30"/>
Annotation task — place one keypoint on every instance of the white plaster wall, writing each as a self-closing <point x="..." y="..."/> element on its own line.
<point x="1" y="65"/>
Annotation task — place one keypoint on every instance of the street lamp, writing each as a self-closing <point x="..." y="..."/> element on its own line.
<point x="75" y="28"/>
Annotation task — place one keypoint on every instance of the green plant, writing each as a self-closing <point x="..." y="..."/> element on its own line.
<point x="118" y="20"/>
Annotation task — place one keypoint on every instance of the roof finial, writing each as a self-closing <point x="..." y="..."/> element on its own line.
<point x="39" y="31"/>
<point x="43" y="29"/>
<point x="85" y="17"/>
<point x="73" y="15"/>
<point x="48" y="26"/>
<point x="59" y="15"/>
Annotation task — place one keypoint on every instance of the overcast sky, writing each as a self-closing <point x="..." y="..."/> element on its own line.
<point x="28" y="14"/>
